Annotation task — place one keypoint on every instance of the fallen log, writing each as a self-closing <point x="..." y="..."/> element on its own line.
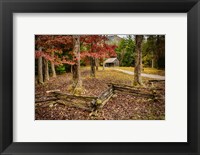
<point x="57" y="94"/>
<point x="120" y="85"/>
<point x="105" y="94"/>
<point x="45" y="100"/>
<point x="131" y="87"/>
<point x="52" y="91"/>
<point x="65" y="103"/>
<point x="125" y="88"/>
<point x="102" y="99"/>
<point x="75" y="105"/>
<point x="135" y="94"/>
<point x="156" y="81"/>
<point x="69" y="100"/>
<point x="42" y="96"/>
<point x="105" y="101"/>
<point x="43" y="105"/>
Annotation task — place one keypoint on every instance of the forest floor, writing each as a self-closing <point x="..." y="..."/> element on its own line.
<point x="121" y="106"/>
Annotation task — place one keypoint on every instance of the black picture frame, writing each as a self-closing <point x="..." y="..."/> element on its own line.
<point x="8" y="7"/>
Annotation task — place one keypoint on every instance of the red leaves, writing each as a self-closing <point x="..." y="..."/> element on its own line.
<point x="48" y="57"/>
<point x="38" y="54"/>
<point x="111" y="50"/>
<point x="69" y="62"/>
<point x="97" y="47"/>
<point x="53" y="45"/>
<point x="44" y="55"/>
<point x="54" y="41"/>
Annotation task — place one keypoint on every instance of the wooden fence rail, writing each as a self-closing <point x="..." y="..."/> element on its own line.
<point x="93" y="103"/>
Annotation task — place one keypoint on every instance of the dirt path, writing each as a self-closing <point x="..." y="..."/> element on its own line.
<point x="153" y="76"/>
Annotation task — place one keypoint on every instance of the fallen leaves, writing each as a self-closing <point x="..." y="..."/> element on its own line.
<point x="122" y="105"/>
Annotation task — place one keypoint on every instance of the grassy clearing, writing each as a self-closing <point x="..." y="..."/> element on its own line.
<point x="146" y="70"/>
<point x="109" y="76"/>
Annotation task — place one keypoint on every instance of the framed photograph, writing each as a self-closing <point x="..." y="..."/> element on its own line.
<point x="104" y="77"/>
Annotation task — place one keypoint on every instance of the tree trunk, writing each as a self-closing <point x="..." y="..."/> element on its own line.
<point x="160" y="52"/>
<point x="97" y="63"/>
<point x="77" y="82"/>
<point x="103" y="64"/>
<point x="92" y="64"/>
<point x="53" y="67"/>
<point x="122" y="57"/>
<point x="152" y="63"/>
<point x="46" y="73"/>
<point x="152" y="60"/>
<point x="76" y="78"/>
<point x="138" y="60"/>
<point x="71" y="69"/>
<point x="40" y="73"/>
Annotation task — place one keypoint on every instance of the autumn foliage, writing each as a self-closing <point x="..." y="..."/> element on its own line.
<point x="52" y="46"/>
<point x="59" y="50"/>
<point x="93" y="46"/>
<point x="97" y="47"/>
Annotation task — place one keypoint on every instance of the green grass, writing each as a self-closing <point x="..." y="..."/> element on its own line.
<point x="145" y="70"/>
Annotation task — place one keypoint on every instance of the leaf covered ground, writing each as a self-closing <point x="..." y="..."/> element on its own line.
<point x="121" y="106"/>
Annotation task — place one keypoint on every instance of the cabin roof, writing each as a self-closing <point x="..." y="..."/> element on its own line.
<point x="110" y="60"/>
